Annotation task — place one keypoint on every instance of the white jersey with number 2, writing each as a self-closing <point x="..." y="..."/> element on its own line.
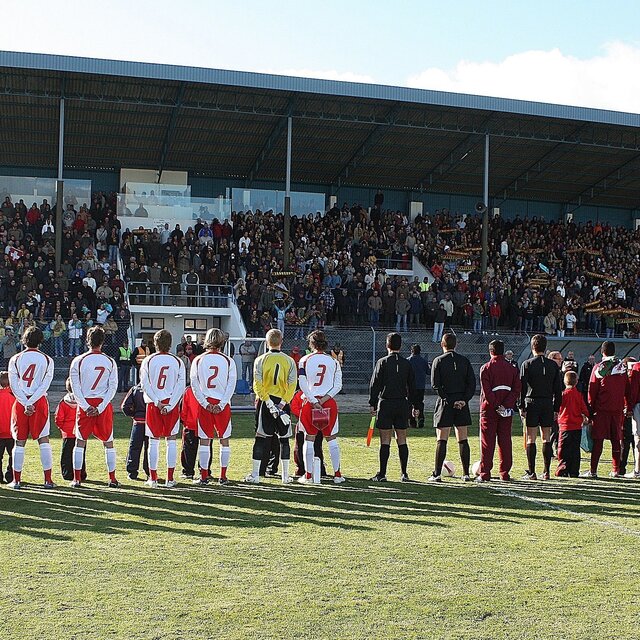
<point x="213" y="375"/>
<point x="93" y="375"/>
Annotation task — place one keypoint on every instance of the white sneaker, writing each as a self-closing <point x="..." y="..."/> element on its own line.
<point x="433" y="478"/>
<point x="15" y="485"/>
<point x="339" y="479"/>
<point x="251" y="479"/>
<point x="152" y="483"/>
<point x="480" y="480"/>
<point x="632" y="475"/>
<point x="304" y="480"/>
<point x="466" y="478"/>
<point x="169" y="484"/>
<point x="588" y="474"/>
<point x="287" y="480"/>
<point x="614" y="474"/>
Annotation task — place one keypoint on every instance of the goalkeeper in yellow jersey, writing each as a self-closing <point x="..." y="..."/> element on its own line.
<point x="274" y="383"/>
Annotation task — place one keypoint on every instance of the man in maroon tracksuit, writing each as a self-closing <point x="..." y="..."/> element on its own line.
<point x="608" y="389"/>
<point x="499" y="391"/>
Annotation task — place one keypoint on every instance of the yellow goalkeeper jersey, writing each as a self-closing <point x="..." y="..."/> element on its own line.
<point x="274" y="374"/>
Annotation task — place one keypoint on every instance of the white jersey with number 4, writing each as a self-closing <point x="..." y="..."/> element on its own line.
<point x="213" y="375"/>
<point x="163" y="378"/>
<point x="319" y="375"/>
<point x="93" y="375"/>
<point x="30" y="374"/>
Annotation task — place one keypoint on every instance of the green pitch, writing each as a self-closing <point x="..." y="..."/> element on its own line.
<point x="358" y="561"/>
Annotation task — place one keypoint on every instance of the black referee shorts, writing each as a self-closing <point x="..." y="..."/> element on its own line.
<point x="393" y="414"/>
<point x="539" y="414"/>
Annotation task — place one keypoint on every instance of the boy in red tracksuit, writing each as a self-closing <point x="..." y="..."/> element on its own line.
<point x="572" y="415"/>
<point x="190" y="440"/>
<point x="65" y="419"/>
<point x="499" y="391"/>
<point x="7" y="400"/>
<point x="609" y="390"/>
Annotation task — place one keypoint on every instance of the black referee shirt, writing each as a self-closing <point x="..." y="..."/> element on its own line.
<point x="541" y="381"/>
<point x="392" y="379"/>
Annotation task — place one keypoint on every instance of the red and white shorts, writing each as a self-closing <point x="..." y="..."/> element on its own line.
<point x="212" y="424"/>
<point x="162" y="426"/>
<point x="306" y="419"/>
<point x="37" y="425"/>
<point x="101" y="426"/>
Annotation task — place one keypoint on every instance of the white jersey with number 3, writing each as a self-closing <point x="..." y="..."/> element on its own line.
<point x="213" y="375"/>
<point x="30" y="374"/>
<point x="93" y="375"/>
<point x="319" y="375"/>
<point x="163" y="378"/>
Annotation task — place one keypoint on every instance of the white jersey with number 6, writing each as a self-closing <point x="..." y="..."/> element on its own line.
<point x="93" y="375"/>
<point x="30" y="374"/>
<point x="213" y="375"/>
<point x="319" y="375"/>
<point x="163" y="378"/>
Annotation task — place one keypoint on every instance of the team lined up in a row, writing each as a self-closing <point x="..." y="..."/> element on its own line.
<point x="93" y="379"/>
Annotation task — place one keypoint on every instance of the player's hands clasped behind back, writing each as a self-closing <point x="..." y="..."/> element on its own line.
<point x="459" y="404"/>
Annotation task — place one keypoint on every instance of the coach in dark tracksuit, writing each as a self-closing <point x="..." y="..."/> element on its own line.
<point x="452" y="378"/>
<point x="392" y="386"/>
<point x="135" y="407"/>
<point x="540" y="400"/>
<point x="420" y="368"/>
<point x="499" y="394"/>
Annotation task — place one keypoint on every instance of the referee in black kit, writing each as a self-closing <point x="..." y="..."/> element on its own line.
<point x="391" y="389"/>
<point x="452" y="378"/>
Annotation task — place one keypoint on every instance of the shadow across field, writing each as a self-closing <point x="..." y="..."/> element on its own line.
<point x="208" y="511"/>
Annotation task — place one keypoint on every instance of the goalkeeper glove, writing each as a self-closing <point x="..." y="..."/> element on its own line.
<point x="286" y="419"/>
<point x="272" y="408"/>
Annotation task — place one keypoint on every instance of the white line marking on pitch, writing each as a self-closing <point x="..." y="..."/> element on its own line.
<point x="577" y="514"/>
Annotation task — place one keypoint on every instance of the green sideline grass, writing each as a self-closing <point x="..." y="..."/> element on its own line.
<point x="357" y="561"/>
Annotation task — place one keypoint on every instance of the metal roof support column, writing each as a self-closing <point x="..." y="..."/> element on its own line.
<point x="287" y="196"/>
<point x="485" y="215"/>
<point x="60" y="189"/>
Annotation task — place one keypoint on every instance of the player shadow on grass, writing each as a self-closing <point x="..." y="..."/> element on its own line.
<point x="202" y="512"/>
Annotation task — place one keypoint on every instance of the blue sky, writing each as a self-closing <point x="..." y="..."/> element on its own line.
<point x="564" y="51"/>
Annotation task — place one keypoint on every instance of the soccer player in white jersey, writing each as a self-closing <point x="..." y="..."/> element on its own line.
<point x="163" y="379"/>
<point x="320" y="380"/>
<point x="30" y="374"/>
<point x="94" y="381"/>
<point x="213" y="382"/>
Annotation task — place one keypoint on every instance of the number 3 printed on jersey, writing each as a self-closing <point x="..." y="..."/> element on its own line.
<point x="322" y="370"/>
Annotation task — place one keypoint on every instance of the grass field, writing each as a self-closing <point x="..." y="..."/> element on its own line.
<point x="538" y="560"/>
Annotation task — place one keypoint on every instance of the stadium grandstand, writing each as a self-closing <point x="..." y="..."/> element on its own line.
<point x="142" y="196"/>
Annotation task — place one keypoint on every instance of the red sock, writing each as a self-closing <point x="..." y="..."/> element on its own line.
<point x="153" y="474"/>
<point x="204" y="473"/>
<point x="112" y="476"/>
<point x="47" y="476"/>
<point x="77" y="475"/>
<point x="223" y="473"/>
<point x="17" y="475"/>
<point x="170" y="473"/>
<point x="337" y="474"/>
<point x="308" y="475"/>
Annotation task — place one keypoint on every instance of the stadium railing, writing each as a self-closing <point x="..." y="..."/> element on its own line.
<point x="198" y="295"/>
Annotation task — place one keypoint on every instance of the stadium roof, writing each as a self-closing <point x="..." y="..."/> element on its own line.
<point x="233" y="124"/>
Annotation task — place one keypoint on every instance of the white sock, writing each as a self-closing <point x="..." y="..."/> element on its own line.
<point x="307" y="450"/>
<point x="256" y="468"/>
<point x="110" y="457"/>
<point x="204" y="456"/>
<point x="172" y="454"/>
<point x="285" y="469"/>
<point x="78" y="457"/>
<point x="154" y="453"/>
<point x="45" y="456"/>
<point x="225" y="454"/>
<point x="18" y="459"/>
<point x="334" y="453"/>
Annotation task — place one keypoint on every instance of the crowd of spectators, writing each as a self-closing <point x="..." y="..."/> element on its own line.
<point x="552" y="277"/>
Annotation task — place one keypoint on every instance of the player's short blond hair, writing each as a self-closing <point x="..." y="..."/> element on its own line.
<point x="215" y="339"/>
<point x="162" y="340"/>
<point x="274" y="338"/>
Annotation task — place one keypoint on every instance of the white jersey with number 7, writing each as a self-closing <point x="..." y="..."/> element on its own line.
<point x="213" y="375"/>
<point x="93" y="375"/>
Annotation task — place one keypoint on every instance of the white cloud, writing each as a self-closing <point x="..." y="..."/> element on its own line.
<point x="607" y="81"/>
<point x="329" y="74"/>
